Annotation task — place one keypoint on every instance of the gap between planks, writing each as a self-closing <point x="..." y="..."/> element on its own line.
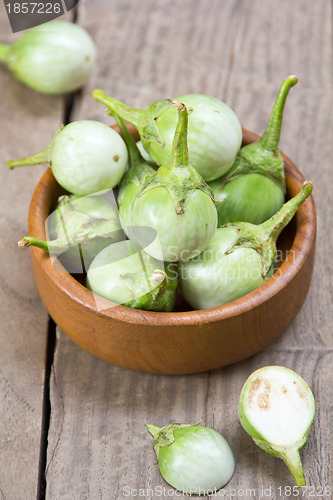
<point x="69" y="104"/>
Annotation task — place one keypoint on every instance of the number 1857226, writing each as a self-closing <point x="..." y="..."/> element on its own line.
<point x="34" y="8"/>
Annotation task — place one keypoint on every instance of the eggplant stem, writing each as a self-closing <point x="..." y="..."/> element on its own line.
<point x="273" y="226"/>
<point x="293" y="461"/>
<point x="4" y="50"/>
<point x="271" y="137"/>
<point x="179" y="153"/>
<point x="36" y="159"/>
<point x="134" y="154"/>
<point x="158" y="276"/>
<point x="24" y="242"/>
<point x="54" y="247"/>
<point x="117" y="107"/>
<point x="28" y="241"/>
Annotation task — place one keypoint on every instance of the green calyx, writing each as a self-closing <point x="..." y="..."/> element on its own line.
<point x="178" y="176"/>
<point x="9" y="54"/>
<point x="159" y="297"/>
<point x="144" y="120"/>
<point x="263" y="157"/>
<point x="78" y="226"/>
<point x="4" y="53"/>
<point x="164" y="436"/>
<point x="262" y="237"/>
<point x="73" y="227"/>
<point x="137" y="176"/>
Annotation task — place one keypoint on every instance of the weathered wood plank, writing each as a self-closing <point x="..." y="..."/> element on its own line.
<point x="151" y="50"/>
<point x="27" y="122"/>
<point x="275" y="39"/>
<point x="106" y="446"/>
<point x="240" y="52"/>
<point x="99" y="447"/>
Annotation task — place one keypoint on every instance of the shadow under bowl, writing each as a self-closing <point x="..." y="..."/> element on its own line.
<point x="184" y="341"/>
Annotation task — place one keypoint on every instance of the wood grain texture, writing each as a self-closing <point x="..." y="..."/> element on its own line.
<point x="27" y="122"/>
<point x="157" y="49"/>
<point x="99" y="444"/>
<point x="239" y="51"/>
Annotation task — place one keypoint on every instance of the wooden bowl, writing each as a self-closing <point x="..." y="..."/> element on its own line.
<point x="186" y="341"/>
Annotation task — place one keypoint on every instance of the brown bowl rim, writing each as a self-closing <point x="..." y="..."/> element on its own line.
<point x="303" y="241"/>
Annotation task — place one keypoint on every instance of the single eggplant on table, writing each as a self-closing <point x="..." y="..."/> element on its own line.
<point x="214" y="131"/>
<point x="239" y="258"/>
<point x="276" y="408"/>
<point x="193" y="459"/>
<point x="53" y="58"/>
<point x="254" y="187"/>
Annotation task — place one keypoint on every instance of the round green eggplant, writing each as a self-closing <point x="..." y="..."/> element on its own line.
<point x="193" y="459"/>
<point x="123" y="273"/>
<point x="176" y="203"/>
<point x="85" y="157"/>
<point x="254" y="187"/>
<point x="249" y="198"/>
<point x="179" y="236"/>
<point x="79" y="229"/>
<point x="217" y="277"/>
<point x="54" y="58"/>
<point x="239" y="258"/>
<point x="139" y="172"/>
<point x="214" y="131"/>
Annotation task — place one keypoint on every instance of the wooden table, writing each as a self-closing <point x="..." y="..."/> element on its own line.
<point x="78" y="421"/>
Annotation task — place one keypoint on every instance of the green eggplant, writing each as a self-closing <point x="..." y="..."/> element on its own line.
<point x="176" y="203"/>
<point x="214" y="131"/>
<point x="53" y="58"/>
<point x="240" y="257"/>
<point x="78" y="229"/>
<point x="133" y="181"/>
<point x="125" y="274"/>
<point x="193" y="459"/>
<point x="277" y="408"/>
<point x="85" y="157"/>
<point x="254" y="187"/>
